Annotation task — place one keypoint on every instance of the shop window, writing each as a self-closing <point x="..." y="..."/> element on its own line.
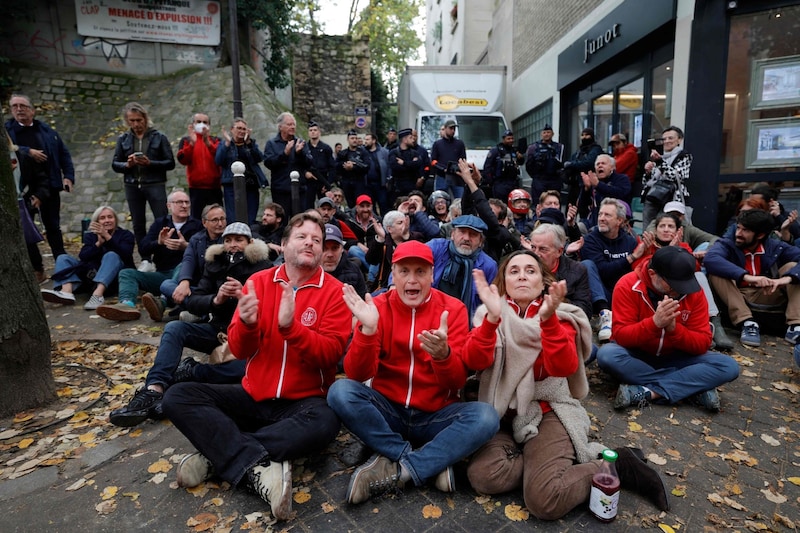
<point x="629" y="110"/>
<point x="530" y="125"/>
<point x="661" y="114"/>
<point x="603" y="122"/>
<point x="761" y="122"/>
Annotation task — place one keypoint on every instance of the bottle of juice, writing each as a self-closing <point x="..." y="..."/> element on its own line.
<point x="604" y="497"/>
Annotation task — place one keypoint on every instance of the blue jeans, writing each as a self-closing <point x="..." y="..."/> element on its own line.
<point x="423" y="443"/>
<point x="131" y="281"/>
<point x="168" y="286"/>
<point x="359" y="254"/>
<point x="596" y="286"/>
<point x="110" y="266"/>
<point x="447" y="184"/>
<point x="674" y="377"/>
<point x="138" y="198"/>
<point x="235" y="432"/>
<point x="197" y="336"/>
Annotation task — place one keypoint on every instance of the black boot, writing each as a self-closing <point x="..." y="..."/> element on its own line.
<point x="636" y="476"/>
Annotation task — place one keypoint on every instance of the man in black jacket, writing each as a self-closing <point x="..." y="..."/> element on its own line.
<point x="228" y="266"/>
<point x="337" y="264"/>
<point x="352" y="164"/>
<point x="446" y="152"/>
<point x="581" y="161"/>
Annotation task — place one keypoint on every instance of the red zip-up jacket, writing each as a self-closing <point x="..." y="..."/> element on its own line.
<point x="633" y="325"/>
<point x="298" y="361"/>
<point x="201" y="170"/>
<point x="405" y="373"/>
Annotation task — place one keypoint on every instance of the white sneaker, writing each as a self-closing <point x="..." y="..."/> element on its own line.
<point x="604" y="333"/>
<point x="58" y="297"/>
<point x="94" y="302"/>
<point x="193" y="470"/>
<point x="274" y="484"/>
<point x="146" y="266"/>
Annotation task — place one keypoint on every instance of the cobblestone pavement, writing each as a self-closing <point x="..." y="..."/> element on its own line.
<point x="738" y="469"/>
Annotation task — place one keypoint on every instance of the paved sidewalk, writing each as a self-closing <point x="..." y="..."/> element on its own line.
<point x="746" y="459"/>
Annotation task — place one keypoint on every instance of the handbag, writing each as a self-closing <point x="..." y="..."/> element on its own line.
<point x="660" y="192"/>
<point x="222" y="353"/>
<point x="29" y="229"/>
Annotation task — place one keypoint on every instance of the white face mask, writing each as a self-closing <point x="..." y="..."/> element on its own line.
<point x="199" y="127"/>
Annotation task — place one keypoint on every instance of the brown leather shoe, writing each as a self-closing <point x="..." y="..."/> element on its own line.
<point x="636" y="476"/>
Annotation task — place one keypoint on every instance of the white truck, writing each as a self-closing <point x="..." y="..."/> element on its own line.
<point x="470" y="95"/>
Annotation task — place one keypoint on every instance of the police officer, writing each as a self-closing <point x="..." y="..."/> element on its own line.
<point x="544" y="162"/>
<point x="352" y="164"/>
<point x="501" y="168"/>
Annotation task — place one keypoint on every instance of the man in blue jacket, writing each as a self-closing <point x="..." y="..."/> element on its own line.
<point x="40" y="145"/>
<point x="753" y="268"/>
<point x="602" y="182"/>
<point x="456" y="257"/>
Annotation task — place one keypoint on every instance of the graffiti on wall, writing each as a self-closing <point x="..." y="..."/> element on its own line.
<point x="114" y="50"/>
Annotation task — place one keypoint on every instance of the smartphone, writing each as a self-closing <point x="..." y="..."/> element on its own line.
<point x="656" y="144"/>
<point x="138" y="154"/>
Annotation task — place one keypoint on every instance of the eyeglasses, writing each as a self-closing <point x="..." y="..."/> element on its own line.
<point x="180" y="202"/>
<point x="216" y="220"/>
<point x="20" y="106"/>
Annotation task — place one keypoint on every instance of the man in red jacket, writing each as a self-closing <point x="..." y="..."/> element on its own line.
<point x="196" y="152"/>
<point x="291" y="325"/>
<point x="413" y="343"/>
<point x="661" y="336"/>
<point x="626" y="156"/>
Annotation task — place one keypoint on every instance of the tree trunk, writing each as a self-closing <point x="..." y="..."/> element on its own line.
<point x="26" y="379"/>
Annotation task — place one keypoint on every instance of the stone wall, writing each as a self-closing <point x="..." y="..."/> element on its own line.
<point x="330" y="79"/>
<point x="85" y="108"/>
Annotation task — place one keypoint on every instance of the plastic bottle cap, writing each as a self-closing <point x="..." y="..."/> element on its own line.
<point x="610" y="455"/>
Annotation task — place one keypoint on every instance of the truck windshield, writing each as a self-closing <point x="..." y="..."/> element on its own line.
<point x="478" y="132"/>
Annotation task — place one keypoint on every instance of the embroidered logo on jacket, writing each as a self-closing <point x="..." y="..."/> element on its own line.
<point x="309" y="317"/>
<point x="685" y="315"/>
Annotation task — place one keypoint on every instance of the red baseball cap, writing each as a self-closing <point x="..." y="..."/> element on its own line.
<point x="413" y="250"/>
<point x="364" y="198"/>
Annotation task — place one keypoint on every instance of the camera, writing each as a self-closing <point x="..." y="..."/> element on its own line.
<point x="452" y="167"/>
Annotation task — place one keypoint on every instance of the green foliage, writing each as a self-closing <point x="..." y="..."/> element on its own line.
<point x="393" y="40"/>
<point x="276" y="17"/>
<point x="385" y="109"/>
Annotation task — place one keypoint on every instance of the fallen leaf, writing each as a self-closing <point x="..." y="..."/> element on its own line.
<point x="734" y="504"/>
<point x="301" y="497"/>
<point x="135" y="433"/>
<point x="23" y="417"/>
<point x="794" y="479"/>
<point x="162" y="465"/>
<point x="158" y="478"/>
<point x="755" y="526"/>
<point x="740" y="456"/>
<point x="24" y="443"/>
<point x="202" y="521"/>
<point x="656" y="459"/>
<point x="516" y="513"/>
<point x="635" y="427"/>
<point x="252" y="517"/>
<point x="199" y="491"/>
<point x="9" y="433"/>
<point x="431" y="511"/>
<point x="791" y="387"/>
<point x="216" y="502"/>
<point x="679" y="491"/>
<point x="108" y="492"/>
<point x="716" y="441"/>
<point x="80" y="416"/>
<point x="132" y="495"/>
<point x="327" y="508"/>
<point x="773" y="496"/>
<point x="736" y="489"/>
<point x="757" y="388"/>
<point x="675" y="454"/>
<point x="87" y="437"/>
<point x="749" y="374"/>
<point x="665" y="528"/>
<point x="77" y="485"/>
<point x="784" y="520"/>
<point x="772" y="441"/>
<point x="106" y="507"/>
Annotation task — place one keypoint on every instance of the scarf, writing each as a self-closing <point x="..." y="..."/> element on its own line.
<point x="510" y="383"/>
<point x="457" y="275"/>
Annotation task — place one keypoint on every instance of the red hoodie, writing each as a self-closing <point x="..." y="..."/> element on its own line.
<point x="298" y="361"/>
<point x="627" y="160"/>
<point x="405" y="373"/>
<point x="201" y="171"/>
<point x="633" y="325"/>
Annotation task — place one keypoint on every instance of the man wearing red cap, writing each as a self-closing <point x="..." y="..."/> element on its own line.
<point x="414" y="345"/>
<point x="661" y="338"/>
